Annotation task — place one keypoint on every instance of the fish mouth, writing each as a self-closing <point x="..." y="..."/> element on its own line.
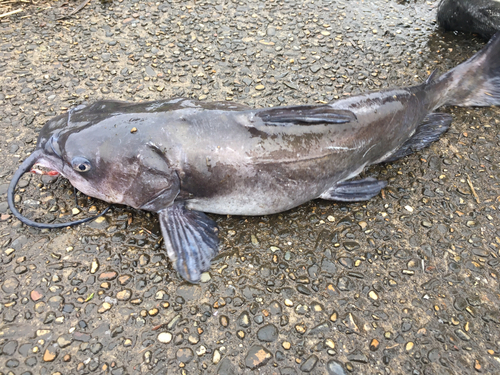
<point x="39" y="168"/>
<point x="48" y="163"/>
<point x="36" y="158"/>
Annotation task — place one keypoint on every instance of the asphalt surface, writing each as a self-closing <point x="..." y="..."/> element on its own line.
<point x="406" y="283"/>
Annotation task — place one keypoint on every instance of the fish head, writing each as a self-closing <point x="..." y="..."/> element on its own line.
<point x="104" y="159"/>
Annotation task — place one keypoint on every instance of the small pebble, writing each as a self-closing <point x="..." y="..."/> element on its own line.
<point x="374" y="345"/>
<point x="477" y="366"/>
<point x="184" y="355"/>
<point x="165" y="337"/>
<point x="94" y="267"/>
<point x="257" y="356"/>
<point x="124" y="295"/>
<point x="216" y="357"/>
<point x="330" y="343"/>
<point x="268" y="333"/>
<point x="201" y="351"/>
<point x="205" y="277"/>
<point x="105" y="307"/>
<point x="50" y="353"/>
<point x="301" y="328"/>
<point x="373" y="295"/>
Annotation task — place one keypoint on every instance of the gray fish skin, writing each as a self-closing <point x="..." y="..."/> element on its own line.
<point x="181" y="157"/>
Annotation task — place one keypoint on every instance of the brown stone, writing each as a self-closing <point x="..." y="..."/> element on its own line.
<point x="124" y="279"/>
<point x="104" y="307"/>
<point x="257" y="357"/>
<point x="36" y="295"/>
<point x="110" y="275"/>
<point x="50" y="353"/>
<point x="374" y="345"/>
<point x="301" y="328"/>
<point x="477" y="366"/>
<point x="124" y="295"/>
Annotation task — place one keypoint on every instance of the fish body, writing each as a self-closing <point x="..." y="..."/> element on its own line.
<point x="181" y="158"/>
<point x="227" y="158"/>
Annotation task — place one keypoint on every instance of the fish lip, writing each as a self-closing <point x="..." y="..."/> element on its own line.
<point x="45" y="166"/>
<point x="36" y="170"/>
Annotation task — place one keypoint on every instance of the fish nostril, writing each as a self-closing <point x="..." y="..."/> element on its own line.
<point x="52" y="142"/>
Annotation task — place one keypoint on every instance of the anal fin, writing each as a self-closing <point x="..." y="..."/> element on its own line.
<point x="354" y="190"/>
<point x="433" y="126"/>
<point x="190" y="238"/>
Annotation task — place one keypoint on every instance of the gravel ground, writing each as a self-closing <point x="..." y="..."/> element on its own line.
<point x="406" y="283"/>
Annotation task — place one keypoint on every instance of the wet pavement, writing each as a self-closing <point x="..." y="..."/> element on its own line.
<point x="406" y="283"/>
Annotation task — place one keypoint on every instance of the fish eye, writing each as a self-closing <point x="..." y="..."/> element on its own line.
<point x="80" y="164"/>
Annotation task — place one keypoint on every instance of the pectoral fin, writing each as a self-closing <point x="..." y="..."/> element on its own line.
<point x="354" y="190"/>
<point x="190" y="238"/>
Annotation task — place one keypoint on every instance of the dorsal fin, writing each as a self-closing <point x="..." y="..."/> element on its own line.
<point x="305" y="115"/>
<point x="432" y="76"/>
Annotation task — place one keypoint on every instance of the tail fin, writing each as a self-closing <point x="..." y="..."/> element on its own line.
<point x="475" y="82"/>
